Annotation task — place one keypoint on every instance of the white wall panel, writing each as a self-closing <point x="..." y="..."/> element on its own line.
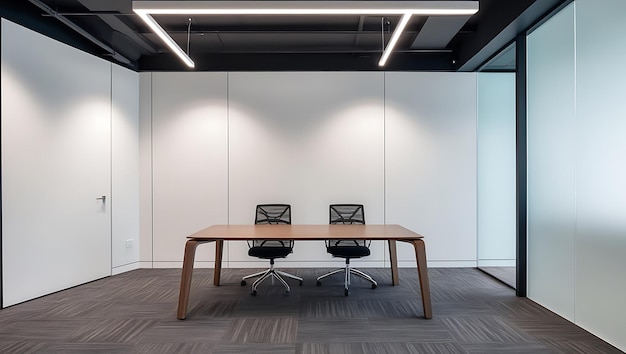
<point x="125" y="167"/>
<point x="309" y="140"/>
<point x="190" y="156"/>
<point x="601" y="169"/>
<point x="496" y="169"/>
<point x="551" y="164"/>
<point x="323" y="137"/>
<point x="56" y="138"/>
<point x="430" y="161"/>
<point x="145" y="170"/>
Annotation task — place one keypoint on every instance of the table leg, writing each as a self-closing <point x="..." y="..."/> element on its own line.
<point x="393" y="257"/>
<point x="422" y="271"/>
<point x="185" y="278"/>
<point x="217" y="270"/>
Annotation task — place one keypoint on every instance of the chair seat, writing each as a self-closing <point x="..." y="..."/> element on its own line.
<point x="348" y="251"/>
<point x="269" y="252"/>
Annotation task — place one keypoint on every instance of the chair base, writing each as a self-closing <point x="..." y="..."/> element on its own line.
<point x="274" y="274"/>
<point x="348" y="270"/>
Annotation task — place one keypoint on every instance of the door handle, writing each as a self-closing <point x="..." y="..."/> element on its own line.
<point x="103" y="198"/>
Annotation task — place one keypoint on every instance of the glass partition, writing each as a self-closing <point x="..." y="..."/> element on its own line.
<point x="496" y="200"/>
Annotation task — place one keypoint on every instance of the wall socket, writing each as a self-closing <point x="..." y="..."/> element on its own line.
<point x="130" y="243"/>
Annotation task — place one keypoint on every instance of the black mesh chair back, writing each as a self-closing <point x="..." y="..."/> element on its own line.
<point x="272" y="214"/>
<point x="347" y="214"/>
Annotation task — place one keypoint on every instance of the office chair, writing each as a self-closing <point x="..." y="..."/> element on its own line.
<point x="348" y="249"/>
<point x="273" y="214"/>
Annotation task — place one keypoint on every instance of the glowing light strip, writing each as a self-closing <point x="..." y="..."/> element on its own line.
<point x="156" y="28"/>
<point x="388" y="7"/>
<point x="394" y="39"/>
<point x="307" y="11"/>
<point x="145" y="10"/>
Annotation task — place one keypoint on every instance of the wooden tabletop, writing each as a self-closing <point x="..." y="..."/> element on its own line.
<point x="305" y="232"/>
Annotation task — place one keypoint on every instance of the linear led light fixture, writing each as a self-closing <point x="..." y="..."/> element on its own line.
<point x="406" y="9"/>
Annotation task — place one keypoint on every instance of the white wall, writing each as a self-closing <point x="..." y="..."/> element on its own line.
<point x="189" y="161"/>
<point x="124" y="169"/>
<point x="496" y="169"/>
<point x="69" y="135"/>
<point x="390" y="141"/>
<point x="430" y="163"/>
<point x="145" y="170"/>
<point x="309" y="140"/>
<point x="577" y="188"/>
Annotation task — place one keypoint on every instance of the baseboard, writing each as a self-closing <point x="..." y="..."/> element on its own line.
<point x="125" y="268"/>
<point x="308" y="264"/>
<point x="443" y="264"/>
<point x="145" y="265"/>
<point x="312" y="264"/>
<point x="496" y="263"/>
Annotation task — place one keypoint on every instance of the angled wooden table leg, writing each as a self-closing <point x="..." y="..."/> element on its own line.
<point x="393" y="257"/>
<point x="422" y="271"/>
<point x="185" y="278"/>
<point x="217" y="270"/>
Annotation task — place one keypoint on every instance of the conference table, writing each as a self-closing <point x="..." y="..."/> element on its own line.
<point x="221" y="233"/>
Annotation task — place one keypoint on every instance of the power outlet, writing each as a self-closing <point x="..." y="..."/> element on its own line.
<point x="130" y="243"/>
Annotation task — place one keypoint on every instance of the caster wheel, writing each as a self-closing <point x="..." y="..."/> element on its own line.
<point x="346" y="292"/>
<point x="243" y="283"/>
<point x="301" y="282"/>
<point x="286" y="292"/>
<point x="253" y="293"/>
<point x="319" y="283"/>
<point x="374" y="286"/>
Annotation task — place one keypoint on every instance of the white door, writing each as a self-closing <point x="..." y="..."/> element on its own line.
<point x="56" y="136"/>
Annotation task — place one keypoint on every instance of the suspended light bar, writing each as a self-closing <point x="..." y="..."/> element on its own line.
<point x="394" y="39"/>
<point x="145" y="10"/>
<point x="156" y="28"/>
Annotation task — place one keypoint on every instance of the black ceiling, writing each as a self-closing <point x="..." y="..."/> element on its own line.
<point x="235" y="43"/>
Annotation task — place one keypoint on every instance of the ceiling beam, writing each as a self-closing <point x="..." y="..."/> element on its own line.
<point x="432" y="61"/>
<point x="114" y="54"/>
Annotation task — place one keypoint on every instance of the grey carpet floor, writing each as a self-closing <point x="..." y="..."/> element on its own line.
<point x="504" y="274"/>
<point x="135" y="312"/>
